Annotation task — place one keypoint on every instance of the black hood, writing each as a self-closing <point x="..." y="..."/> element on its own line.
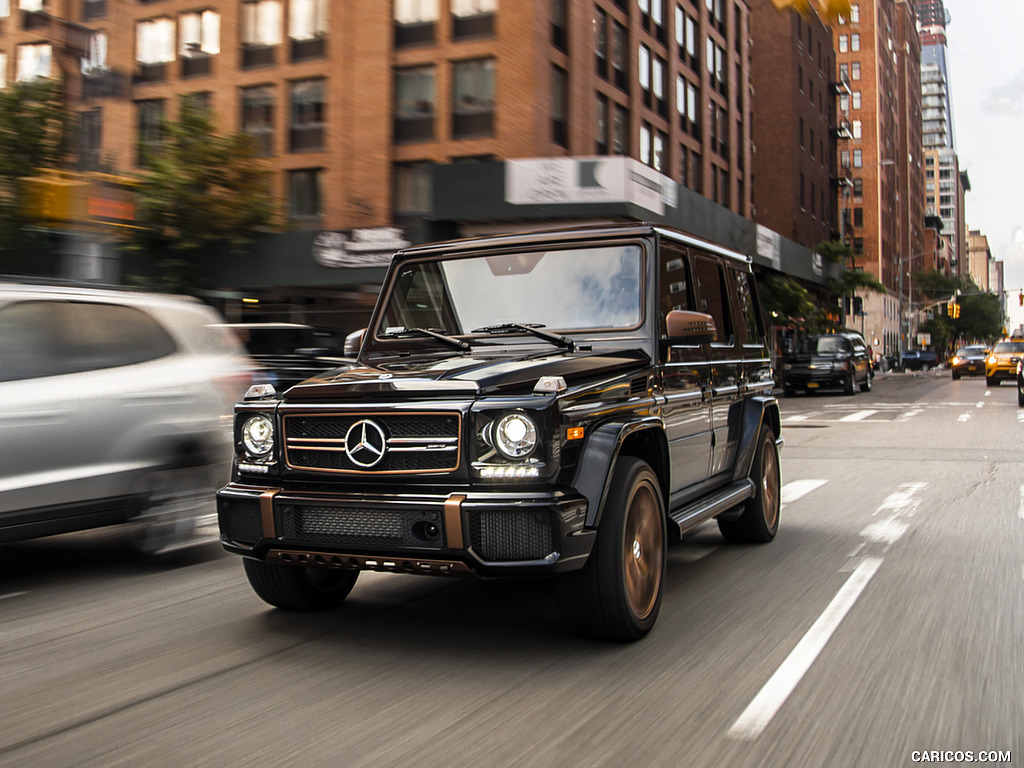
<point x="471" y="375"/>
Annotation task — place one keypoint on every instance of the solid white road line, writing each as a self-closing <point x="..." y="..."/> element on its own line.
<point x="1020" y="505"/>
<point x="769" y="700"/>
<point x="858" y="416"/>
<point x="798" y="489"/>
<point x="12" y="594"/>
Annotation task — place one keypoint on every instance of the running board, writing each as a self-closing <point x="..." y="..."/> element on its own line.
<point x="710" y="506"/>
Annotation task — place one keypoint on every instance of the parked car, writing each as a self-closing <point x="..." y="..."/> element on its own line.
<point x="287" y="353"/>
<point x="918" y="360"/>
<point x="546" y="404"/>
<point x="968" y="361"/>
<point x="828" y="361"/>
<point x="1001" y="363"/>
<point x="116" y="409"/>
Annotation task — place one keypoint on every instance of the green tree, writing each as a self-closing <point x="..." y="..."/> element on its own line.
<point x="850" y="281"/>
<point x="33" y="137"/>
<point x="200" y="193"/>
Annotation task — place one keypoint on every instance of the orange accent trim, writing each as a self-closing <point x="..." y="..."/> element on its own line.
<point x="574" y="433"/>
<point x="267" y="513"/>
<point x="453" y="521"/>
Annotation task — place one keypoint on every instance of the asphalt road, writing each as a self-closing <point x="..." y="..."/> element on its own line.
<point x="886" y="620"/>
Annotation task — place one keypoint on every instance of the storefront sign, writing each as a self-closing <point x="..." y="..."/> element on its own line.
<point x="371" y="247"/>
<point x="573" y="180"/>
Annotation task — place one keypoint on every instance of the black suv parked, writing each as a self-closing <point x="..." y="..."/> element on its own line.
<point x="828" y="361"/>
<point x="562" y="403"/>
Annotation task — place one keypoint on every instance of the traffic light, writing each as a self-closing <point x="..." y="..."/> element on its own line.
<point x="953" y="310"/>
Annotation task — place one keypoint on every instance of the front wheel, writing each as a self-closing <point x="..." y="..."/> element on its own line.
<point x="1020" y="395"/>
<point x="759" y="521"/>
<point x="990" y="382"/>
<point x="298" y="588"/>
<point x="866" y="386"/>
<point x="617" y="594"/>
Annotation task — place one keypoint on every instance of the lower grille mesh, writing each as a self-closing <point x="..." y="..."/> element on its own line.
<point x="361" y="526"/>
<point x="240" y="520"/>
<point x="502" y="535"/>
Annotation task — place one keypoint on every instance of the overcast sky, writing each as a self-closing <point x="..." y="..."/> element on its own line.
<point x="986" y="62"/>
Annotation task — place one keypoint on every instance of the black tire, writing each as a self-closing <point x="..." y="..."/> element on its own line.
<point x="759" y="521"/>
<point x="298" y="588"/>
<point x="173" y="500"/>
<point x="990" y="382"/>
<point x="925" y="368"/>
<point x="866" y="386"/>
<point x="617" y="594"/>
<point x="956" y="376"/>
<point x="850" y="388"/>
<point x="1020" y="396"/>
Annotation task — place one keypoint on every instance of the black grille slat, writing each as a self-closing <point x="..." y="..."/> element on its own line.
<point x="503" y="535"/>
<point x="417" y="442"/>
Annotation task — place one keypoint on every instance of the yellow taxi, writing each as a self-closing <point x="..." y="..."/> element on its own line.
<point x="1002" y="362"/>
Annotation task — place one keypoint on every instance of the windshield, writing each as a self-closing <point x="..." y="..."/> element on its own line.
<point x="567" y="290"/>
<point x="826" y="345"/>
<point x="1009" y="346"/>
<point x="968" y="351"/>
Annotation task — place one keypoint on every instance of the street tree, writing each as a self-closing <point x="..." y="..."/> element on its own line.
<point x="851" y="280"/>
<point x="33" y="137"/>
<point x="200" y="194"/>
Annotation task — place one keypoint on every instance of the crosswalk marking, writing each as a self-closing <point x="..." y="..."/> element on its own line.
<point x="858" y="416"/>
<point x="797" y="489"/>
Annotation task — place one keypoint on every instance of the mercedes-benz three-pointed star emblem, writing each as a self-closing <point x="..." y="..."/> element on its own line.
<point x="365" y="443"/>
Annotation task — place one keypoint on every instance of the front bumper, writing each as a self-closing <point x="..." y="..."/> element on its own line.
<point x="1000" y="372"/>
<point x="836" y="379"/>
<point x="969" y="369"/>
<point x="489" y="534"/>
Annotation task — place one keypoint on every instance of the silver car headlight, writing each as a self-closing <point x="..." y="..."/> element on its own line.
<point x="515" y="436"/>
<point x="258" y="435"/>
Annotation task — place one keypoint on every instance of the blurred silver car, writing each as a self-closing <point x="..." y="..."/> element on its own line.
<point x="114" y="408"/>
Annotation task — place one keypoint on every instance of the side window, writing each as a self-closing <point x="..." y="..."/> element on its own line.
<point x="674" y="286"/>
<point x="712" y="297"/>
<point x="95" y="336"/>
<point x="751" y="332"/>
<point x="28" y="348"/>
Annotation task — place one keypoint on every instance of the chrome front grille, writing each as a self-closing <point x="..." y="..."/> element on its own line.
<point x="373" y="442"/>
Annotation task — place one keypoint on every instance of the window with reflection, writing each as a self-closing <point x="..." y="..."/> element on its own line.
<point x="258" y="109"/>
<point x="415" y="103"/>
<point x="415" y="22"/>
<point x="473" y="98"/>
<point x="307" y="29"/>
<point x="308" y="116"/>
<point x="473" y="18"/>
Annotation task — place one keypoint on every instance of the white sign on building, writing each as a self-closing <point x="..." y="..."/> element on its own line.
<point x="568" y="180"/>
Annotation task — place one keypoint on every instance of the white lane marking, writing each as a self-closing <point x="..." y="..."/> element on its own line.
<point x="1020" y="416"/>
<point x="964" y="417"/>
<point x="910" y="414"/>
<point x="902" y="499"/>
<point x="769" y="700"/>
<point x="887" y="531"/>
<point x="1020" y="505"/>
<point x="858" y="416"/>
<point x="987" y="393"/>
<point x="798" y="489"/>
<point x="982" y="403"/>
<point x="795" y="417"/>
<point x="20" y="594"/>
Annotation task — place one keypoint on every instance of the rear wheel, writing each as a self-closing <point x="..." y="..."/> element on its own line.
<point x="850" y="388"/>
<point x="1020" y="394"/>
<point x="298" y="588"/>
<point x="991" y="382"/>
<point x="866" y="386"/>
<point x="759" y="521"/>
<point x="177" y="504"/>
<point x="617" y="594"/>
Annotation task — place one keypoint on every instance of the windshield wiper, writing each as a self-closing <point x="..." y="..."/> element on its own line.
<point x="450" y="340"/>
<point x="531" y="328"/>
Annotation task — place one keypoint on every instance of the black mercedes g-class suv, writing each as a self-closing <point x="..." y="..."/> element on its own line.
<point x="562" y="403"/>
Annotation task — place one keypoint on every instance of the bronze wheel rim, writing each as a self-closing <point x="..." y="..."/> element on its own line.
<point x="643" y="548"/>
<point x="770" y="484"/>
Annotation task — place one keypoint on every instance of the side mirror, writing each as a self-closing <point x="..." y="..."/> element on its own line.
<point x="353" y="342"/>
<point x="686" y="327"/>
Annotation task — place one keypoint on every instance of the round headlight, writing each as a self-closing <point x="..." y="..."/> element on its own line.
<point x="258" y="435"/>
<point x="515" y="436"/>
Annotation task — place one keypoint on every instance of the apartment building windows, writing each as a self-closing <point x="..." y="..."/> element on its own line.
<point x="34" y="60"/>
<point x="261" y="32"/>
<point x="308" y="116"/>
<point x="560" y="25"/>
<point x="620" y="131"/>
<point x="855" y="70"/>
<point x="305" y="195"/>
<point x="3" y="70"/>
<point x="716" y="64"/>
<point x="89" y="139"/>
<point x="601" y="42"/>
<point x="415" y="104"/>
<point x="601" y="125"/>
<point x="91" y="9"/>
<point x="94" y="62"/>
<point x="473" y="18"/>
<point x="411" y="189"/>
<point x="559" y="106"/>
<point x="154" y="49"/>
<point x="415" y="22"/>
<point x="620" y="40"/>
<point x="658" y="160"/>
<point x="855" y="14"/>
<point x="858" y="217"/>
<point x="472" y="98"/>
<point x="687" y="99"/>
<point x="844" y="43"/>
<point x="258" y="110"/>
<point x="645" y="143"/>
<point x="658" y="70"/>
<point x="651" y="74"/>
<point x="858" y="129"/>
<point x="858" y="158"/>
<point x="149" y="128"/>
<point x="307" y="29"/>
<point x="855" y="100"/>
<point x="644" y="73"/>
<point x="855" y="42"/>
<point x="686" y="37"/>
<point x="199" y="39"/>
<point x="858" y="187"/>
